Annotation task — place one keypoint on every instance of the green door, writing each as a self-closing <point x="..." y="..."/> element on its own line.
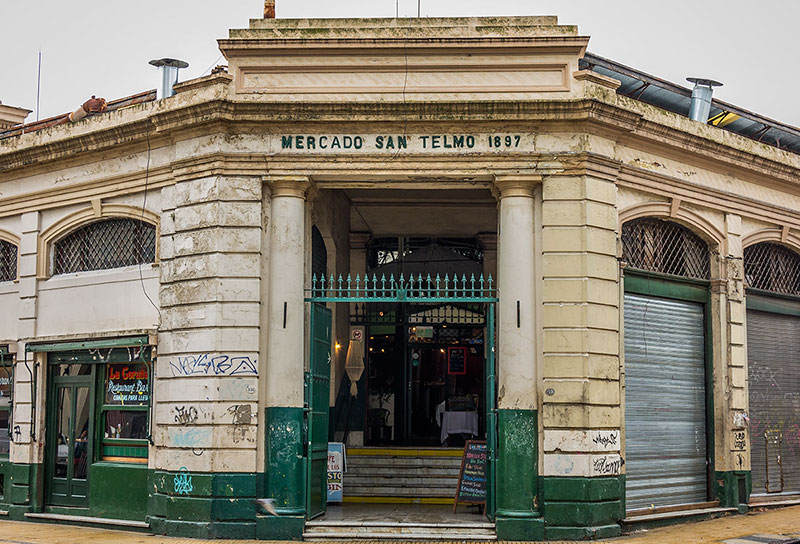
<point x="318" y="380"/>
<point x="69" y="433"/>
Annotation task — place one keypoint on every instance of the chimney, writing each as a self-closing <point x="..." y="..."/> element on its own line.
<point x="169" y="74"/>
<point x="701" y="98"/>
<point x="269" y="9"/>
<point x="11" y="116"/>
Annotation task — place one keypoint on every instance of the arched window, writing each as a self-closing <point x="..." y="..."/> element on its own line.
<point x="662" y="246"/>
<point x="8" y="261"/>
<point x="109" y="243"/>
<point x="772" y="267"/>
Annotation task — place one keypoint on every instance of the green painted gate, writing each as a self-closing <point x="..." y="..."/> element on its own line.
<point x="414" y="289"/>
<point x="317" y="392"/>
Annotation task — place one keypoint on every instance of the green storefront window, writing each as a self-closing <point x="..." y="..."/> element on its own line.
<point x="123" y="412"/>
<point x="6" y="389"/>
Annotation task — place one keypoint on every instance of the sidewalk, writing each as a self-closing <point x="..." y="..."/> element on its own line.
<point x="735" y="529"/>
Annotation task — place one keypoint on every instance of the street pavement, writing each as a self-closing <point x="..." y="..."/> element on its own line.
<point x="765" y="527"/>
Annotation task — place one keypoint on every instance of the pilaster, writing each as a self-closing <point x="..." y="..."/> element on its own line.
<point x="583" y="468"/>
<point x="26" y="446"/>
<point x="206" y="384"/>
<point x="732" y="438"/>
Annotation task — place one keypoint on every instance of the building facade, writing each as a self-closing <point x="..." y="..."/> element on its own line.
<point x="470" y="209"/>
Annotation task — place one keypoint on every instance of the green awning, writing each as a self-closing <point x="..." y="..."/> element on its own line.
<point x="127" y="342"/>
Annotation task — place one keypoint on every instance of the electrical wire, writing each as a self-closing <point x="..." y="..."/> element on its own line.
<point x="141" y="242"/>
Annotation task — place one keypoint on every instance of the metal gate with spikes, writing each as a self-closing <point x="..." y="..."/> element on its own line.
<point x="455" y="290"/>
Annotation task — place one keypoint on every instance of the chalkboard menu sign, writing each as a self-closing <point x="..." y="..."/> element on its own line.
<point x="126" y="384"/>
<point x="456" y="360"/>
<point x="474" y="473"/>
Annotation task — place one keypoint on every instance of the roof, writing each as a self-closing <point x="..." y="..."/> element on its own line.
<point x="139" y="98"/>
<point x="677" y="99"/>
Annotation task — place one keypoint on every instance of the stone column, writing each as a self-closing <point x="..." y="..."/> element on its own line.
<point x="517" y="458"/>
<point x="285" y="351"/>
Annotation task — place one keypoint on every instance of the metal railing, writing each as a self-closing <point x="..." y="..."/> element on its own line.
<point x="403" y="289"/>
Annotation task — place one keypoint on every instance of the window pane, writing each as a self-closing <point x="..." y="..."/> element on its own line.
<point x="126" y="424"/>
<point x="5" y="386"/>
<point x="126" y="384"/>
<point x="8" y="261"/>
<point x="4" y="440"/>
<point x="110" y="243"/>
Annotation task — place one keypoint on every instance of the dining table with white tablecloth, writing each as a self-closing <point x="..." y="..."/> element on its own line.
<point x="458" y="423"/>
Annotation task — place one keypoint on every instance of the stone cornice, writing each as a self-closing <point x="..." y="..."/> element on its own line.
<point x="227" y="116"/>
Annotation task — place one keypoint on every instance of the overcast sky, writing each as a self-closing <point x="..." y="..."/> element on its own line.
<point x="102" y="47"/>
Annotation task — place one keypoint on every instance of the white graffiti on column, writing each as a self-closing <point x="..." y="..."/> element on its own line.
<point x="608" y="465"/>
<point x="214" y="365"/>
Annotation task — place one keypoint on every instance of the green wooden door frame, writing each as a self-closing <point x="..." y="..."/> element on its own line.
<point x="317" y="393"/>
<point x="434" y="290"/>
<point x="74" y="492"/>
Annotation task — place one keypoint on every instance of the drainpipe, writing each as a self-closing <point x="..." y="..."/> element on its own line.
<point x="701" y="98"/>
<point x="169" y="74"/>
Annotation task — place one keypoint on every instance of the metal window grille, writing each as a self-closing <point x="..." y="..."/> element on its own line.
<point x="110" y="243"/>
<point x="8" y="261"/>
<point x="772" y="267"/>
<point x="662" y="246"/>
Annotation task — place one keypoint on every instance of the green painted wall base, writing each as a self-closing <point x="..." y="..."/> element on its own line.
<point x="203" y="505"/>
<point x="118" y="491"/>
<point x="519" y="529"/>
<point x="578" y="508"/>
<point x="279" y="527"/>
<point x="20" y="489"/>
<point x="285" y="470"/>
<point x="733" y="488"/>
<point x="517" y="464"/>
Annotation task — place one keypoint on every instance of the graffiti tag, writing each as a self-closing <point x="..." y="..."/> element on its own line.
<point x="607" y="465"/>
<point x="185" y="416"/>
<point x="183" y="482"/>
<point x="214" y="365"/>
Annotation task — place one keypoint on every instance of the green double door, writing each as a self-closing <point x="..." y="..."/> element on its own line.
<point x="69" y="436"/>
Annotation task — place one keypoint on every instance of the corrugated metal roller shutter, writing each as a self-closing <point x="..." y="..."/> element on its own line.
<point x="773" y="353"/>
<point x="665" y="402"/>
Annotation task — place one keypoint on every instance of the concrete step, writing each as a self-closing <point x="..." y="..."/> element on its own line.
<point x="405" y="481"/>
<point x="322" y="530"/>
<point x="397" y="491"/>
<point x="428" y="536"/>
<point x="392" y="470"/>
<point x="405" y="462"/>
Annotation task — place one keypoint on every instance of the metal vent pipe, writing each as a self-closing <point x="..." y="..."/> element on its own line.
<point x="169" y="74"/>
<point x="701" y="98"/>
